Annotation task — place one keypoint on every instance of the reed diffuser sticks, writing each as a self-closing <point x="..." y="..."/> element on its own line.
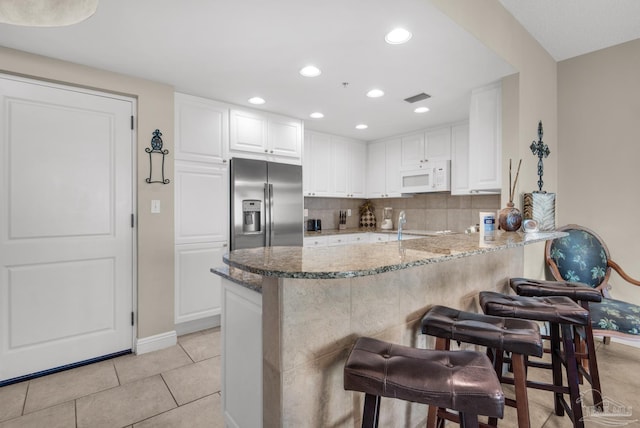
<point x="512" y="188"/>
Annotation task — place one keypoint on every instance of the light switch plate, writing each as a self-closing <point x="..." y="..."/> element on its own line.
<point x="155" y="206"/>
<point x="306" y="212"/>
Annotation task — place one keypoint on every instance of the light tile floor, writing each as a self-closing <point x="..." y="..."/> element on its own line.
<point x="180" y="387"/>
<point x="174" y="387"/>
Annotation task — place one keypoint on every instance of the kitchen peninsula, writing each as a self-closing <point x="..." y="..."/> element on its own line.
<point x="291" y="314"/>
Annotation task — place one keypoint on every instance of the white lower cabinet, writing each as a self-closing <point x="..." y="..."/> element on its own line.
<point x="241" y="356"/>
<point x="354" y="238"/>
<point x="314" y="241"/>
<point x="379" y="237"/>
<point x="197" y="291"/>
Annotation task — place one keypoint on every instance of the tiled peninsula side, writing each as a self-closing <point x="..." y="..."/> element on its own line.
<point x="315" y="302"/>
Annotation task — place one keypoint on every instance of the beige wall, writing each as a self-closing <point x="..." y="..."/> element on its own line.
<point x="155" y="232"/>
<point x="535" y="99"/>
<point x="599" y="113"/>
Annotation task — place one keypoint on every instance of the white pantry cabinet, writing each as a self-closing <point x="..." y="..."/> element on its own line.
<point x="485" y="139"/>
<point x="383" y="168"/>
<point x="201" y="129"/>
<point x="260" y="135"/>
<point x="419" y="148"/>
<point x="333" y="166"/>
<point x="201" y="234"/>
<point x="201" y="209"/>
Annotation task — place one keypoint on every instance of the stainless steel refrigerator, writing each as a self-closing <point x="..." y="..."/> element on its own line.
<point x="266" y="204"/>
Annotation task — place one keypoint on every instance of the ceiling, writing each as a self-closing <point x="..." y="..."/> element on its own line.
<point x="568" y="28"/>
<point x="233" y="50"/>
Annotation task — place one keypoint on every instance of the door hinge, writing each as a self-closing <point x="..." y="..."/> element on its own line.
<point x="132" y="122"/>
<point x="133" y="221"/>
<point x="132" y="318"/>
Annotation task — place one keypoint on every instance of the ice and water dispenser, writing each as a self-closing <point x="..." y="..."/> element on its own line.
<point x="251" y="215"/>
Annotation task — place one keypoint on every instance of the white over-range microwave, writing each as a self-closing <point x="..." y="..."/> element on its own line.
<point x="432" y="176"/>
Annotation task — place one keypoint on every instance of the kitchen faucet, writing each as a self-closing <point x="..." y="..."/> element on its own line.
<point x="402" y="220"/>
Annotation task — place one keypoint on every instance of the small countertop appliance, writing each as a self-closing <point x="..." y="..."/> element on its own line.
<point x="387" y="219"/>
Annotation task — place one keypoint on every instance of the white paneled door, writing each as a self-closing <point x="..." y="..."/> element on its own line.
<point x="66" y="236"/>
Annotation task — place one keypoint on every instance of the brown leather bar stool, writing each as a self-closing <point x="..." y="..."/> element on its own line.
<point x="562" y="314"/>
<point x="519" y="337"/>
<point x="583" y="335"/>
<point x="459" y="380"/>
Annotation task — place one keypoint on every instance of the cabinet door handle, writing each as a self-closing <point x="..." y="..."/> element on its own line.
<point x="271" y="151"/>
<point x="266" y="151"/>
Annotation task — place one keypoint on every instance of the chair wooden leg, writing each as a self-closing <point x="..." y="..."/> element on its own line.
<point x="520" y="383"/>
<point x="593" y="367"/>
<point x="556" y="366"/>
<point x="572" y="376"/>
<point x="442" y="344"/>
<point x="371" y="412"/>
<point x="468" y="420"/>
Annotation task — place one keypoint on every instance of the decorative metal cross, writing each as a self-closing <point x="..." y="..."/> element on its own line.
<point x="541" y="150"/>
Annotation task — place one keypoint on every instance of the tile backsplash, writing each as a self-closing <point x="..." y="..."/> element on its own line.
<point x="427" y="211"/>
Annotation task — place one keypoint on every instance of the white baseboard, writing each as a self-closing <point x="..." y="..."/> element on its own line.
<point x="197" y="325"/>
<point x="634" y="343"/>
<point x="156" y="342"/>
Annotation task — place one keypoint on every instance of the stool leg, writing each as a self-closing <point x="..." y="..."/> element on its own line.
<point x="370" y="414"/>
<point x="556" y="366"/>
<point x="442" y="344"/>
<point x="497" y="356"/>
<point x="593" y="364"/>
<point x="468" y="420"/>
<point x="520" y="383"/>
<point x="572" y="376"/>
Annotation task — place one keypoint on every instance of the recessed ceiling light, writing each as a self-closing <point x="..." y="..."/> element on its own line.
<point x="375" y="93"/>
<point x="317" y="115"/>
<point x="361" y="126"/>
<point x="310" y="71"/>
<point x="397" y="36"/>
<point x="421" y="109"/>
<point x="256" y="100"/>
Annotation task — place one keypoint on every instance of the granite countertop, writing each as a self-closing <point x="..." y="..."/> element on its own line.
<point x="239" y="276"/>
<point x="370" y="259"/>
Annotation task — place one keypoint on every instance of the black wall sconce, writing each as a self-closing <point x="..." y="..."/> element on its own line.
<point x="156" y="148"/>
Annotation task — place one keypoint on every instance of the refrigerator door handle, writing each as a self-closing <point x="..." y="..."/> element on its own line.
<point x="271" y="230"/>
<point x="267" y="215"/>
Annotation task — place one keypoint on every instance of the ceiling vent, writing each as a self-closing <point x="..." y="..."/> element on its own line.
<point x="416" y="98"/>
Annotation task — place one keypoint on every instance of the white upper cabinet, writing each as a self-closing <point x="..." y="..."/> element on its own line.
<point x="412" y="152"/>
<point x="316" y="174"/>
<point x="383" y="168"/>
<point x="333" y="166"/>
<point x="357" y="170"/>
<point x="485" y="139"/>
<point x="430" y="145"/>
<point x="438" y="143"/>
<point x="460" y="159"/>
<point x="266" y="136"/>
<point x="201" y="129"/>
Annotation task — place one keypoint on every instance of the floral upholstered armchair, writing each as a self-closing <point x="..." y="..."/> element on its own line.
<point x="583" y="257"/>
